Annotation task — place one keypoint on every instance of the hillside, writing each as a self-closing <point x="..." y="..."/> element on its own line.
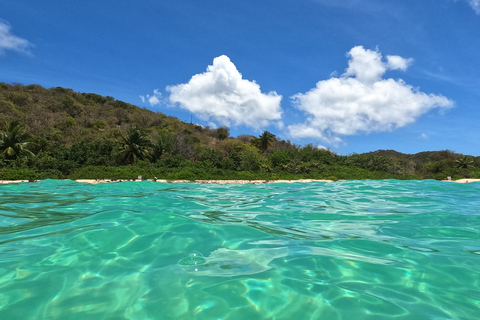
<point x="419" y="158"/>
<point x="66" y="117"/>
<point x="66" y="134"/>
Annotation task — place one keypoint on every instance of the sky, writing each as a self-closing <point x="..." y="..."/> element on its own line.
<point x="352" y="76"/>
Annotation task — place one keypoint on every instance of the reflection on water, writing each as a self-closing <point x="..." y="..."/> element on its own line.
<point x="230" y="263"/>
<point x="144" y="250"/>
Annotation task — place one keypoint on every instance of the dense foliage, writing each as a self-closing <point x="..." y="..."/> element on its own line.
<point x="60" y="133"/>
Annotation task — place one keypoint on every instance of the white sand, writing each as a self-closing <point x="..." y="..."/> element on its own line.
<point x="465" y="180"/>
<point x="210" y="181"/>
<point x="94" y="181"/>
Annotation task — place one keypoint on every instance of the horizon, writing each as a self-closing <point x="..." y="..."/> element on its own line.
<point x="352" y="77"/>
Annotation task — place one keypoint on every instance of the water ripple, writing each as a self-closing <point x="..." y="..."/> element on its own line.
<point x="144" y="250"/>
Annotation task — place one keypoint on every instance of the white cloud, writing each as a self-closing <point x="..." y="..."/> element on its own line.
<point x="154" y="99"/>
<point x="424" y="136"/>
<point x="361" y="101"/>
<point x="212" y="125"/>
<point x="222" y="96"/>
<point x="9" y="41"/>
<point x="398" y="63"/>
<point x="475" y="4"/>
<point x="280" y="125"/>
<point x="365" y="65"/>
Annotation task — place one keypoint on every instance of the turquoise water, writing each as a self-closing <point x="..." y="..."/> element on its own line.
<point x="144" y="250"/>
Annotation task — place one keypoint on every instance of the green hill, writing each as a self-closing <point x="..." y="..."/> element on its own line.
<point x="63" y="116"/>
<point x="61" y="133"/>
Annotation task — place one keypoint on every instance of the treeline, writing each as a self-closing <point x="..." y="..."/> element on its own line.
<point x="59" y="133"/>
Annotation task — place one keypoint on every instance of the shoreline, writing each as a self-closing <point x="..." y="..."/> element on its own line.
<point x="96" y="181"/>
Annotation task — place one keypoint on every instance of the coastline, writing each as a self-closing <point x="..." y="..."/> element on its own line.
<point x="464" y="180"/>
<point x="96" y="181"/>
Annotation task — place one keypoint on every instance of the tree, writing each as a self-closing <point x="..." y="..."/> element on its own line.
<point x="223" y="133"/>
<point x="464" y="162"/>
<point x="136" y="146"/>
<point x="13" y="142"/>
<point x="280" y="158"/>
<point x="265" y="140"/>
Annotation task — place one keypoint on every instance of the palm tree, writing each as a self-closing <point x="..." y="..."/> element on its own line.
<point x="135" y="146"/>
<point x="465" y="162"/>
<point x="13" y="142"/>
<point x="266" y="139"/>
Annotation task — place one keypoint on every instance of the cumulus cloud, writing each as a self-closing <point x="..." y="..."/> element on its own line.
<point x="398" y="63"/>
<point x="361" y="101"/>
<point x="154" y="99"/>
<point x="9" y="41"/>
<point x="475" y="4"/>
<point x="222" y="96"/>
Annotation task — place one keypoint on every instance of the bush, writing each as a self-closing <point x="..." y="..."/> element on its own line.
<point x="50" y="174"/>
<point x="18" y="174"/>
<point x="280" y="158"/>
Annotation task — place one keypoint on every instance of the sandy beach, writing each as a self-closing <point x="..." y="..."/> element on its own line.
<point x="95" y="181"/>
<point x="465" y="180"/>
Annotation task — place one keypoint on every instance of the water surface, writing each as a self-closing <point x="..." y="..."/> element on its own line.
<point x="144" y="250"/>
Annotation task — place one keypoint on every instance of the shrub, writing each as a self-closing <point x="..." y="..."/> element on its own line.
<point x="17" y="174"/>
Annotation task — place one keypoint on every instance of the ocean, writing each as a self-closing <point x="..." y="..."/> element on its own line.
<point x="145" y="250"/>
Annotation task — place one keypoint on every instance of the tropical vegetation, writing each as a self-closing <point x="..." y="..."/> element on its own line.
<point x="63" y="134"/>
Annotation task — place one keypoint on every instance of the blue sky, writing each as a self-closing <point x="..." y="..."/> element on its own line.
<point x="352" y="75"/>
